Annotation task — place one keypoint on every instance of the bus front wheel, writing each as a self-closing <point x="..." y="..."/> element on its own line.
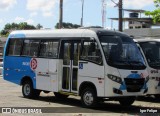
<point x="127" y="101"/>
<point x="88" y="97"/>
<point x="28" y="91"/>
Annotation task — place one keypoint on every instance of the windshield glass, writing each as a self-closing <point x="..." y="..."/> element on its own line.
<point x="152" y="53"/>
<point x="122" y="52"/>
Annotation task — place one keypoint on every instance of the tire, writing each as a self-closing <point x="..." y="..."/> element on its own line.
<point x="28" y="91"/>
<point x="157" y="96"/>
<point x="100" y="100"/>
<point x="36" y="93"/>
<point x="60" y="96"/>
<point x="127" y="101"/>
<point x="89" y="97"/>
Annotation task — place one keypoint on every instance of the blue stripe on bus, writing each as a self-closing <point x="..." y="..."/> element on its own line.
<point x="20" y="35"/>
<point x="18" y="67"/>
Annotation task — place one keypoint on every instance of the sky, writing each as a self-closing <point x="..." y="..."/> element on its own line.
<point x="46" y="12"/>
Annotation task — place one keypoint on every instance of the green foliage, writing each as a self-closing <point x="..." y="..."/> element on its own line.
<point x="25" y="26"/>
<point x="67" y="25"/>
<point x="39" y="26"/>
<point x="157" y="3"/>
<point x="14" y="26"/>
<point x="155" y="13"/>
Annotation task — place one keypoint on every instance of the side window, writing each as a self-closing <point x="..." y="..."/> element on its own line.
<point x="49" y="49"/>
<point x="30" y="48"/>
<point x="15" y="47"/>
<point x="91" y="52"/>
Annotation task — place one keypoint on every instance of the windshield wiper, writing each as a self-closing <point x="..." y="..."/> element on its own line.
<point x="121" y="62"/>
<point x="136" y="62"/>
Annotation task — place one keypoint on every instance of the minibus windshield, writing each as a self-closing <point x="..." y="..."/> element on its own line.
<point x="121" y="52"/>
<point x="152" y="53"/>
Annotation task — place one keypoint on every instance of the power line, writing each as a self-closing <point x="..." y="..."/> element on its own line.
<point x="114" y="2"/>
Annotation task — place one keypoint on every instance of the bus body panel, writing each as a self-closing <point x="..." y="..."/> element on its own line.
<point x="154" y="81"/>
<point x="91" y="72"/>
<point x="59" y="79"/>
<point x="53" y="71"/>
<point x="16" y="68"/>
<point x="114" y="88"/>
<point x="154" y="73"/>
<point x="46" y="74"/>
<point x="109" y="84"/>
<point x="43" y="81"/>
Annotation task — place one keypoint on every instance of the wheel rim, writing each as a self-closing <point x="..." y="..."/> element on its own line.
<point x="88" y="98"/>
<point x="27" y="89"/>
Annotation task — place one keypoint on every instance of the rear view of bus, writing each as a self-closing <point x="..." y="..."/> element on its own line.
<point x="91" y="63"/>
<point x="151" y="51"/>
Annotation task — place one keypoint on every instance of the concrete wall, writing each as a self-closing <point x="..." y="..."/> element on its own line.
<point x="144" y="32"/>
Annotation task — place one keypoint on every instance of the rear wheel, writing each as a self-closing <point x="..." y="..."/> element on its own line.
<point x="28" y="91"/>
<point x="127" y="101"/>
<point x="60" y="96"/>
<point x="88" y="97"/>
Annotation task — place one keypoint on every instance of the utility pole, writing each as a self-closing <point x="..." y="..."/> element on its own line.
<point x="82" y="13"/>
<point x="120" y="5"/>
<point x="60" y="14"/>
<point x="103" y="13"/>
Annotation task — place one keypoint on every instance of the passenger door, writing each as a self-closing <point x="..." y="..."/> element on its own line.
<point x="70" y="51"/>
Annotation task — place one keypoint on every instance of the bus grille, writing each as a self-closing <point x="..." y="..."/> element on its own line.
<point x="134" y="85"/>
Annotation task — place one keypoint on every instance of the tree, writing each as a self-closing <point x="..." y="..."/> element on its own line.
<point x="4" y="32"/>
<point x="39" y="26"/>
<point x="67" y="25"/>
<point x="25" y="26"/>
<point x="155" y="13"/>
<point x="14" y="26"/>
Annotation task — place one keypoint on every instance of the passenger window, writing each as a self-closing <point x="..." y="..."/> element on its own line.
<point x="30" y="48"/>
<point x="49" y="49"/>
<point x="91" y="52"/>
<point x="76" y="53"/>
<point x="15" y="46"/>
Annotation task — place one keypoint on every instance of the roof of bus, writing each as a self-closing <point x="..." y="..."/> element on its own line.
<point x="147" y="40"/>
<point x="63" y="33"/>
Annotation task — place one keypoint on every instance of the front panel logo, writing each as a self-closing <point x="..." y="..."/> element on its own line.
<point x="33" y="63"/>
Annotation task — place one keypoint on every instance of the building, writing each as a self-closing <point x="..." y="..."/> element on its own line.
<point x="136" y="21"/>
<point x="144" y="33"/>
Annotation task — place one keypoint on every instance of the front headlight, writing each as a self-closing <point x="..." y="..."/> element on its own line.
<point x="115" y="78"/>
